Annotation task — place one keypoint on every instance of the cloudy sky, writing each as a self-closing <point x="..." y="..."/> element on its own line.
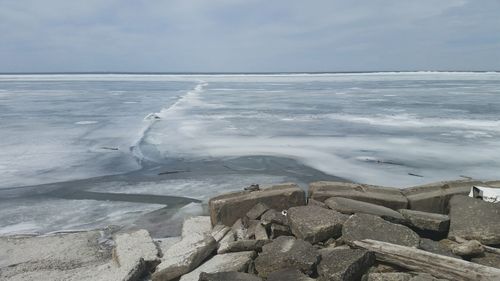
<point x="248" y="35"/>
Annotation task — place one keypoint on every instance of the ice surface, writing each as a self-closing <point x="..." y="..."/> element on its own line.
<point x="214" y="133"/>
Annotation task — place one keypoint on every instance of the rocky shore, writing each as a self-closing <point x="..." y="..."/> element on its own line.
<point x="335" y="231"/>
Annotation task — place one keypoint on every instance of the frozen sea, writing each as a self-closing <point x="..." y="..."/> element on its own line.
<point x="93" y="150"/>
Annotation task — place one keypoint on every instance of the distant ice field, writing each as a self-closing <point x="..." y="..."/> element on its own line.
<point x="394" y="129"/>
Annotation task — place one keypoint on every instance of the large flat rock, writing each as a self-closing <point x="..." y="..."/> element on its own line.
<point x="77" y="256"/>
<point x="365" y="226"/>
<point x="228" y="208"/>
<point x="350" y="206"/>
<point x="286" y="252"/>
<point x="427" y="221"/>
<point x="315" y="224"/>
<point x="384" y="196"/>
<point x="345" y="264"/>
<point x="474" y="219"/>
<point x="434" y="197"/>
<point x="222" y="263"/>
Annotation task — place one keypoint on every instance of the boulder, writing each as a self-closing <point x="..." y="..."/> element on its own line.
<point x="384" y="196"/>
<point x="242" y="246"/>
<point x="228" y="208"/>
<point x="436" y="248"/>
<point x="240" y="230"/>
<point x="288" y="275"/>
<point x="345" y="264"/>
<point x="468" y="248"/>
<point x="434" y="197"/>
<point x="427" y="221"/>
<point x="228" y="276"/>
<point x="222" y="263"/>
<point x="183" y="257"/>
<point x="273" y="216"/>
<point x="278" y="230"/>
<point x="229" y="237"/>
<point x="260" y="232"/>
<point x="286" y="252"/>
<point x="315" y="224"/>
<point x="488" y="259"/>
<point x="350" y="206"/>
<point x="365" y="226"/>
<point x="474" y="219"/>
<point x="257" y="211"/>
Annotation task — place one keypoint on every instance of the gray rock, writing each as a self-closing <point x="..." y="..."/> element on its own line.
<point x="273" y="216"/>
<point x="427" y="221"/>
<point x="257" y="211"/>
<point x="384" y="196"/>
<point x="312" y="202"/>
<point x="227" y="208"/>
<point x="286" y="252"/>
<point x="240" y="230"/>
<point x="434" y="197"/>
<point x="345" y="265"/>
<point x="315" y="224"/>
<point x="365" y="226"/>
<point x="436" y="248"/>
<point x="468" y="248"/>
<point x="350" y="206"/>
<point x="288" y="275"/>
<point x="229" y="237"/>
<point x="222" y="263"/>
<point x="242" y="246"/>
<point x="183" y="257"/>
<point x="260" y="232"/>
<point x="228" y="276"/>
<point x="278" y="230"/>
<point x="474" y="219"/>
<point x="488" y="259"/>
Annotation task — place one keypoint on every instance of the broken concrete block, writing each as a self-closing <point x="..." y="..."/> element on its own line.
<point x="474" y="219"/>
<point x="229" y="262"/>
<point x="384" y="196"/>
<point x="434" y="197"/>
<point x="345" y="264"/>
<point x="364" y="226"/>
<point x="199" y="226"/>
<point x="227" y="208"/>
<point x="183" y="257"/>
<point x="315" y="224"/>
<point x="286" y="252"/>
<point x="427" y="221"/>
<point x="350" y="206"/>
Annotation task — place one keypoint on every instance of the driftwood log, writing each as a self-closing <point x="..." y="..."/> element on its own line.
<point x="434" y="264"/>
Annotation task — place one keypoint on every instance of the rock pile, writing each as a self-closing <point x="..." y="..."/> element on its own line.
<point x="339" y="231"/>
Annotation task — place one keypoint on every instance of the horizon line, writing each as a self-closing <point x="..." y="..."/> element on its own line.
<point x="234" y="72"/>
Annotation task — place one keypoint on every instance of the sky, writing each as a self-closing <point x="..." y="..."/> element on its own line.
<point x="248" y="35"/>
